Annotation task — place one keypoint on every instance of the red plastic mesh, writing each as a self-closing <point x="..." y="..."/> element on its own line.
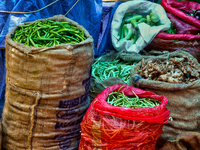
<point x="109" y="127"/>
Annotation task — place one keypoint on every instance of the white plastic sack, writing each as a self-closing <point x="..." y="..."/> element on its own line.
<point x="146" y="32"/>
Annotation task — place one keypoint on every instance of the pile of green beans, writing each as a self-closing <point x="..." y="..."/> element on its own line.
<point x="121" y="100"/>
<point x="104" y="70"/>
<point x="48" y="33"/>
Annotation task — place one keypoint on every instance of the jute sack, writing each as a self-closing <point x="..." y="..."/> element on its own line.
<point x="47" y="93"/>
<point x="98" y="86"/>
<point x="183" y="102"/>
<point x="185" y="141"/>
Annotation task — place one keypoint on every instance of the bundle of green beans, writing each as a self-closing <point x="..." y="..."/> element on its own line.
<point x="121" y="100"/>
<point x="48" y="33"/>
<point x="117" y="68"/>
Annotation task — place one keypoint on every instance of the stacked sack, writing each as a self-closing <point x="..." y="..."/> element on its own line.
<point x="47" y="92"/>
<point x="177" y="78"/>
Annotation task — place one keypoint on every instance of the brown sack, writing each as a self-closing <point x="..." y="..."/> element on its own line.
<point x="184" y="141"/>
<point x="47" y="92"/>
<point x="183" y="102"/>
<point x="98" y="86"/>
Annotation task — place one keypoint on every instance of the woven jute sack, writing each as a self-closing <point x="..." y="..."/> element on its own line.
<point x="185" y="141"/>
<point x="183" y="102"/>
<point x="47" y="93"/>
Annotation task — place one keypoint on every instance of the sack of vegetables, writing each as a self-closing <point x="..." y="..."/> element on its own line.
<point x="108" y="70"/>
<point x="48" y="64"/>
<point x="184" y="32"/>
<point x="177" y="78"/>
<point x="124" y="117"/>
<point x="136" y="23"/>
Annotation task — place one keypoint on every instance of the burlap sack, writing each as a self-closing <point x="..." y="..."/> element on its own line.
<point x="184" y="141"/>
<point x="98" y="86"/>
<point x="46" y="93"/>
<point x="183" y="102"/>
<point x="136" y="57"/>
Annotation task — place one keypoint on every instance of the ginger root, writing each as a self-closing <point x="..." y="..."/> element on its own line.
<point x="175" y="70"/>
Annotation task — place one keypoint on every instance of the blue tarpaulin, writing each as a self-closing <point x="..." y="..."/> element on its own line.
<point x="104" y="41"/>
<point x="2" y="79"/>
<point x="86" y="13"/>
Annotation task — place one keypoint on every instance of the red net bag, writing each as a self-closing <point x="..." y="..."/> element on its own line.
<point x="187" y="37"/>
<point x="108" y="127"/>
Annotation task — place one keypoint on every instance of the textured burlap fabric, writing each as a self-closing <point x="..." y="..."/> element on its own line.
<point x="98" y="86"/>
<point x="183" y="102"/>
<point x="47" y="93"/>
<point x="184" y="141"/>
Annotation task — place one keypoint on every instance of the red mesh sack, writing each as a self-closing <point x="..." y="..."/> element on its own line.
<point x="187" y="27"/>
<point x="108" y="127"/>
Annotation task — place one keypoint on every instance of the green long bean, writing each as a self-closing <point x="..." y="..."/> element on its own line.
<point x="48" y="33"/>
<point x="117" y="68"/>
<point x="121" y="100"/>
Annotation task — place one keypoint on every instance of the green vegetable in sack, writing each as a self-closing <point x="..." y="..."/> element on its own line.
<point x="125" y="33"/>
<point x="116" y="68"/>
<point x="134" y="23"/>
<point x="48" y="33"/>
<point x="121" y="100"/>
<point x="135" y="17"/>
<point x="154" y="17"/>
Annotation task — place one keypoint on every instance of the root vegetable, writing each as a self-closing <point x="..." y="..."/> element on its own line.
<point x="174" y="70"/>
